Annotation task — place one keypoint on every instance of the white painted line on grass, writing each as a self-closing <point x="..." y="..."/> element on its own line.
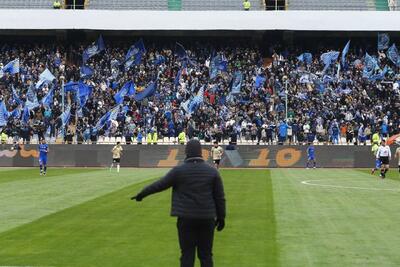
<point x="309" y="182"/>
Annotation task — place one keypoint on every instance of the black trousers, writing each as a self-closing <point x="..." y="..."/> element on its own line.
<point x="196" y="234"/>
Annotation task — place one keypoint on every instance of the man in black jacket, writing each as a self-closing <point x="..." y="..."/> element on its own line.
<point x="198" y="200"/>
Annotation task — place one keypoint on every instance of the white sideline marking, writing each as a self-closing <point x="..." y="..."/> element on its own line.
<point x="309" y="182"/>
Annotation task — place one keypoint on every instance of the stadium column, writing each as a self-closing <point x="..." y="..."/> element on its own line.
<point x="174" y="4"/>
<point x="381" y="5"/>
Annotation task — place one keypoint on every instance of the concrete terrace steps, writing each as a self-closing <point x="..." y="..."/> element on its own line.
<point x="361" y="5"/>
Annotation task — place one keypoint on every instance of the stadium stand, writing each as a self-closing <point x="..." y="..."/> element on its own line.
<point x="173" y="4"/>
<point x="19" y="4"/>
<point x="129" y="4"/>
<point x="219" y="5"/>
<point x="322" y="106"/>
<point x="331" y="5"/>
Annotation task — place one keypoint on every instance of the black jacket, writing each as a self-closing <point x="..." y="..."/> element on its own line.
<point x="197" y="190"/>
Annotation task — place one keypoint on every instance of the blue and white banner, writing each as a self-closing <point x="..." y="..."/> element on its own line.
<point x="218" y="64"/>
<point x="236" y="83"/>
<point x="383" y="41"/>
<point x="47" y="100"/>
<point x="393" y="55"/>
<point x="127" y="90"/>
<point x="306" y="58"/>
<point x="31" y="98"/>
<point x="86" y="71"/>
<point x="3" y="114"/>
<point x="45" y="77"/>
<point x="147" y="92"/>
<point x="197" y="100"/>
<point x="134" y="54"/>
<point x="11" y="67"/>
<point x="94" y="49"/>
<point x="329" y="58"/>
<point x="344" y="53"/>
<point x="260" y="79"/>
<point x="370" y="65"/>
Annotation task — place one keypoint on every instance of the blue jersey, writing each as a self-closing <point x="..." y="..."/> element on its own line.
<point x="43" y="149"/>
<point x="311" y="152"/>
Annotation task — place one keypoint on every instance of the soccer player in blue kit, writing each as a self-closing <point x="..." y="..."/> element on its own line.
<point x="43" y="150"/>
<point x="311" y="155"/>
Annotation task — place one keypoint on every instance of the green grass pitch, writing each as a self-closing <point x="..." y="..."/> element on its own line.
<point x="279" y="217"/>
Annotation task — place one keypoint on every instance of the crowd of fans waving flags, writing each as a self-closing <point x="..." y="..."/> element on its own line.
<point x="333" y="62"/>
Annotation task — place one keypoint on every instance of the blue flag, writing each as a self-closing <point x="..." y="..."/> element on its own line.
<point x="182" y="55"/>
<point x="15" y="96"/>
<point x="159" y="60"/>
<point x="344" y="53"/>
<point x="83" y="93"/>
<point x="393" y="55"/>
<point x="86" y="71"/>
<point x="147" y="92"/>
<point x="177" y="78"/>
<point x="102" y="121"/>
<point x="12" y="67"/>
<point x="134" y="54"/>
<point x="370" y="65"/>
<point x="16" y="113"/>
<point x="25" y="115"/>
<point x="218" y="64"/>
<point x="3" y="114"/>
<point x="94" y="49"/>
<point x="383" y="41"/>
<point x="45" y="77"/>
<point x="328" y="58"/>
<point x="65" y="116"/>
<point x="180" y="51"/>
<point x="379" y="76"/>
<point x="48" y="99"/>
<point x="71" y="86"/>
<point x="127" y="89"/>
<point x="236" y="83"/>
<point x="197" y="100"/>
<point x="31" y="98"/>
<point x="259" y="81"/>
<point x="306" y="58"/>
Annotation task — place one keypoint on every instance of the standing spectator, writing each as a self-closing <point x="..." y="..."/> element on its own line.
<point x="246" y="5"/>
<point x="392" y="5"/>
<point x="56" y="4"/>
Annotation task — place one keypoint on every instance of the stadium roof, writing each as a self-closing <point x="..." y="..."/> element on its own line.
<point x="200" y="20"/>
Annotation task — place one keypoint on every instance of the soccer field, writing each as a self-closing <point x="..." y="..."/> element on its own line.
<point x="279" y="217"/>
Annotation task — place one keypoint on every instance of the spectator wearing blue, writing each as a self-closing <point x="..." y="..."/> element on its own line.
<point x="283" y="128"/>
<point x="361" y="135"/>
<point x="384" y="130"/>
<point x="335" y="132"/>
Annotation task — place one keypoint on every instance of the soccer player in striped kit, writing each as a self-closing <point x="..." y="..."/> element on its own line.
<point x="384" y="155"/>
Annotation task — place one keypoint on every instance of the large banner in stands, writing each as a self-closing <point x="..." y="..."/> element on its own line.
<point x="168" y="156"/>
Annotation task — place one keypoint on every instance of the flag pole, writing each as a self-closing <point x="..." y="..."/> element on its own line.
<point x="62" y="95"/>
<point x="286" y="102"/>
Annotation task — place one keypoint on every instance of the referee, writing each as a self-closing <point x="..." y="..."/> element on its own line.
<point x="198" y="200"/>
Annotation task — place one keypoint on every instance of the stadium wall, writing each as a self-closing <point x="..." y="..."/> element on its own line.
<point x="25" y="19"/>
<point x="168" y="156"/>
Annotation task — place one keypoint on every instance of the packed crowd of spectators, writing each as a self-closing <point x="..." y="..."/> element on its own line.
<point x="344" y="107"/>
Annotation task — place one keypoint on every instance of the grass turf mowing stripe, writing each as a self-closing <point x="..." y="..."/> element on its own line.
<point x="319" y="226"/>
<point x="392" y="174"/>
<point x="18" y="174"/>
<point x="113" y="231"/>
<point x="24" y="201"/>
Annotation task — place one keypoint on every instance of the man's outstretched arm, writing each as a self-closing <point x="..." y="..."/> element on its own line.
<point x="160" y="185"/>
